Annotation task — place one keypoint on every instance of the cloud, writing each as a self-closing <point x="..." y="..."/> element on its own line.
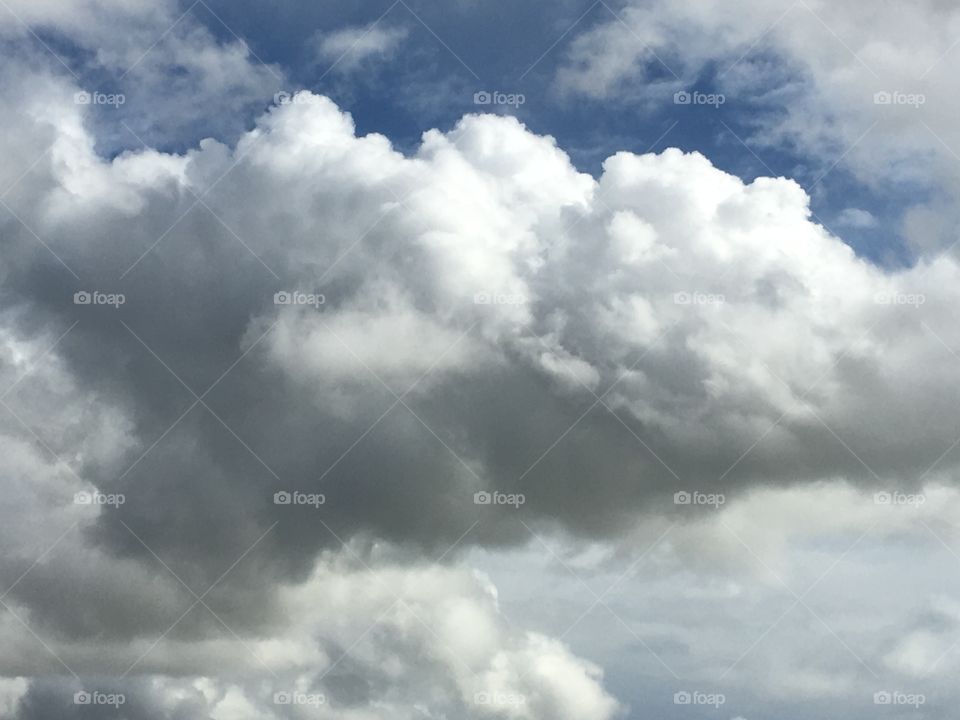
<point x="707" y="599"/>
<point x="349" y="48"/>
<point x="176" y="82"/>
<point x="867" y="94"/>
<point x="478" y="297"/>
<point x="492" y="319"/>
<point x="357" y="642"/>
<point x="856" y="218"/>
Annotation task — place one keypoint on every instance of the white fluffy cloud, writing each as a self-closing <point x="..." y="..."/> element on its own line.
<point x="816" y="67"/>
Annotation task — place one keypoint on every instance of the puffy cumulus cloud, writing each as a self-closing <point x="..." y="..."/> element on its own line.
<point x="395" y="641"/>
<point x="476" y="316"/>
<point x="312" y="312"/>
<point x="874" y="88"/>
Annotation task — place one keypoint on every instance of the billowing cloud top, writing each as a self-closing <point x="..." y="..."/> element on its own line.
<point x="311" y="344"/>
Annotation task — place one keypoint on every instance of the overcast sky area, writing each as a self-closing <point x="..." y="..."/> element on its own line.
<point x="462" y="360"/>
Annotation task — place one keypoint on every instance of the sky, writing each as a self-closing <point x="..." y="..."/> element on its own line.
<point x="418" y="360"/>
